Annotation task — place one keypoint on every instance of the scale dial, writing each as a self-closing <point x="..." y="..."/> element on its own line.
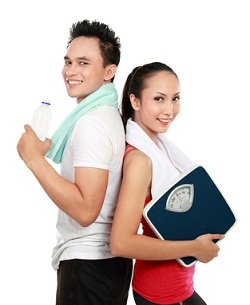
<point x="181" y="198"/>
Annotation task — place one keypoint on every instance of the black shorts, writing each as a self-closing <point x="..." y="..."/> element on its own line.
<point x="195" y="299"/>
<point x="94" y="282"/>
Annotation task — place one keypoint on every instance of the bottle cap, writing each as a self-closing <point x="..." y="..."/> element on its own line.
<point x="46" y="103"/>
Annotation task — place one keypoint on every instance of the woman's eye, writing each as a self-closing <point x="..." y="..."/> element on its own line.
<point x="159" y="99"/>
<point x="176" y="99"/>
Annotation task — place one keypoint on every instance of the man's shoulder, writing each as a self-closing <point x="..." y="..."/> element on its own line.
<point x="102" y="122"/>
<point x="105" y="114"/>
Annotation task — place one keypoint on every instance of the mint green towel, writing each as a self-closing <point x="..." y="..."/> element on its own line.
<point x="105" y="95"/>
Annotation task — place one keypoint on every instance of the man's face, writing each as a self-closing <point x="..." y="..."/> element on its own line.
<point x="83" y="71"/>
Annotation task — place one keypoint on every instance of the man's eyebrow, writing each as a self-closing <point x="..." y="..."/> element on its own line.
<point x="83" y="58"/>
<point x="78" y="58"/>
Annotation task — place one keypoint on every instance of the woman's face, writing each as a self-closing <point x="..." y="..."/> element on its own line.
<point x="159" y="103"/>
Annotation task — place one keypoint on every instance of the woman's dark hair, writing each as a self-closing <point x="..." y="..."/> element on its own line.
<point x="109" y="42"/>
<point x="135" y="83"/>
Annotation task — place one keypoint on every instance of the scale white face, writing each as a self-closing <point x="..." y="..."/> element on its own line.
<point x="181" y="198"/>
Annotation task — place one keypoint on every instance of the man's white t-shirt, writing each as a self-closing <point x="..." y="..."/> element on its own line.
<point x="97" y="141"/>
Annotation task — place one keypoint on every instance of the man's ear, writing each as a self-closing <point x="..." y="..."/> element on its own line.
<point x="135" y="102"/>
<point x="110" y="72"/>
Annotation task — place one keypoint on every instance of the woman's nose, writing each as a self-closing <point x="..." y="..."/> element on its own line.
<point x="169" y="109"/>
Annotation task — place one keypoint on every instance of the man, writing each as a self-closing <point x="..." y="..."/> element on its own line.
<point x="89" y="144"/>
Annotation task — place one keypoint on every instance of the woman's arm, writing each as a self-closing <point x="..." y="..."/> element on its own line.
<point x="125" y="240"/>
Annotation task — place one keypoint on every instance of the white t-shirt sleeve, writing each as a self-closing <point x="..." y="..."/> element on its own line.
<point x="91" y="144"/>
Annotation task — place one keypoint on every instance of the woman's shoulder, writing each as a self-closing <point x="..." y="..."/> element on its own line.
<point x="128" y="149"/>
<point x="134" y="155"/>
<point x="137" y="166"/>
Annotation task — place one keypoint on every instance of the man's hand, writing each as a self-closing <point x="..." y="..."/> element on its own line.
<point x="30" y="148"/>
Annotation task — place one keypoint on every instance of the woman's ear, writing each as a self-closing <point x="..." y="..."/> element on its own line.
<point x="135" y="102"/>
<point x="110" y="72"/>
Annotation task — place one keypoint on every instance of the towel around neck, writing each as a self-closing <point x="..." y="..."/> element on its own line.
<point x="161" y="153"/>
<point x="106" y="95"/>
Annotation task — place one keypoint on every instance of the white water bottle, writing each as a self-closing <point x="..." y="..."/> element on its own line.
<point x="42" y="119"/>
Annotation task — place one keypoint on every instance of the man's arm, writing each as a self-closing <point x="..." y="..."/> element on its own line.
<point x="81" y="200"/>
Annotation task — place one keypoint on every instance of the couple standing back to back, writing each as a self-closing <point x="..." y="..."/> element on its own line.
<point x="90" y="146"/>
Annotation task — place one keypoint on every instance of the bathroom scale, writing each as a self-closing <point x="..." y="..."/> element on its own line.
<point x="191" y="206"/>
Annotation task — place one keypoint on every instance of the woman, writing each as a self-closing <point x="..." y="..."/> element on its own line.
<point x="150" y="103"/>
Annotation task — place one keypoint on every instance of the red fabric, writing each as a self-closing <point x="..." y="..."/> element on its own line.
<point x="128" y="149"/>
<point x="161" y="282"/>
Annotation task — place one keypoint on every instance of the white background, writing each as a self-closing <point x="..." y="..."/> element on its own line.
<point x="207" y="44"/>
